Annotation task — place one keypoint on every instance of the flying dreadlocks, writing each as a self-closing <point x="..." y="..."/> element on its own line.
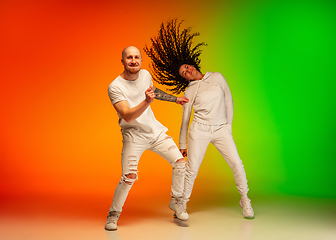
<point x="170" y="49"/>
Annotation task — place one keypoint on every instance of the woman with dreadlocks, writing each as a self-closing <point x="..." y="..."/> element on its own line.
<point x="176" y="63"/>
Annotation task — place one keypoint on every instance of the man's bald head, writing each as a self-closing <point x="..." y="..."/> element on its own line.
<point x="130" y="49"/>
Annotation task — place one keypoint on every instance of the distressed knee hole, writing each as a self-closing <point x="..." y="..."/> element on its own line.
<point x="131" y="175"/>
<point x="172" y="147"/>
<point x="181" y="160"/>
<point x="130" y="178"/>
<point x="168" y="137"/>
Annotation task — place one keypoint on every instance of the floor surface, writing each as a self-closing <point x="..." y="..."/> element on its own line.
<point x="276" y="218"/>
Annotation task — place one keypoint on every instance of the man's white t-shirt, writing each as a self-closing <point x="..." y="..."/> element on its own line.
<point x="146" y="126"/>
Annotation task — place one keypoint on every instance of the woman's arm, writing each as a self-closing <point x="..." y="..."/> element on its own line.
<point x="228" y="102"/>
<point x="189" y="93"/>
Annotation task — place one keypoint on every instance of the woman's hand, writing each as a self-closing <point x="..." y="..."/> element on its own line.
<point x="184" y="152"/>
<point x="182" y="100"/>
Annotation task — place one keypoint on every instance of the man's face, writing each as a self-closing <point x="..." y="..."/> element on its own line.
<point x="132" y="60"/>
<point x="188" y="72"/>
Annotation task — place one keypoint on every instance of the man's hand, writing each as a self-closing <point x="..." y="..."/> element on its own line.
<point x="182" y="100"/>
<point x="184" y="152"/>
<point x="150" y="95"/>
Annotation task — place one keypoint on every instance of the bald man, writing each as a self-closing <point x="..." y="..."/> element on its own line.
<point x="131" y="94"/>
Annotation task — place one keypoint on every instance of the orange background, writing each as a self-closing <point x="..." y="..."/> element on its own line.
<point x="59" y="131"/>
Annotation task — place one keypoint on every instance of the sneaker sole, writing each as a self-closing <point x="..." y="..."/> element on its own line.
<point x="180" y="218"/>
<point x="110" y="229"/>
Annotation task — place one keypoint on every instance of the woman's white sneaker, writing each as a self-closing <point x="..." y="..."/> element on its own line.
<point x="176" y="204"/>
<point x="245" y="203"/>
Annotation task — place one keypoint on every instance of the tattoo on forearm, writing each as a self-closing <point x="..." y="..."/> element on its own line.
<point x="161" y="95"/>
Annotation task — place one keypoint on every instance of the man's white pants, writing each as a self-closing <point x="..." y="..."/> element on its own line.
<point x="200" y="135"/>
<point x="131" y="153"/>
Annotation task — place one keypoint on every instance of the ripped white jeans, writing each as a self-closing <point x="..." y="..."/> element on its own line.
<point x="200" y="135"/>
<point x="131" y="153"/>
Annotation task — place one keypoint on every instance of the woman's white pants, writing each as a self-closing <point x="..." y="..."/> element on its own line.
<point x="200" y="135"/>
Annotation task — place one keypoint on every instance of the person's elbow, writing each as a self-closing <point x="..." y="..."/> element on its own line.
<point x="124" y="111"/>
<point x="128" y="118"/>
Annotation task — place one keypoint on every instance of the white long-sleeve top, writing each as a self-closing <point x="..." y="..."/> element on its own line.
<point x="212" y="102"/>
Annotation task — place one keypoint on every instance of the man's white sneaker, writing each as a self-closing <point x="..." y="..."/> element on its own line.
<point x="245" y="203"/>
<point x="112" y="219"/>
<point x="176" y="204"/>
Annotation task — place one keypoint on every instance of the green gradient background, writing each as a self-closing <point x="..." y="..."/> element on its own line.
<point x="278" y="58"/>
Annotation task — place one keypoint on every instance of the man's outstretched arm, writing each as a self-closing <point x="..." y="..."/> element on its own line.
<point x="161" y="95"/>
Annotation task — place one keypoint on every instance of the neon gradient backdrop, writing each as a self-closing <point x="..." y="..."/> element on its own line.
<point x="59" y="132"/>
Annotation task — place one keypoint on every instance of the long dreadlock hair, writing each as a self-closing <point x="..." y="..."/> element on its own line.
<point x="170" y="49"/>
